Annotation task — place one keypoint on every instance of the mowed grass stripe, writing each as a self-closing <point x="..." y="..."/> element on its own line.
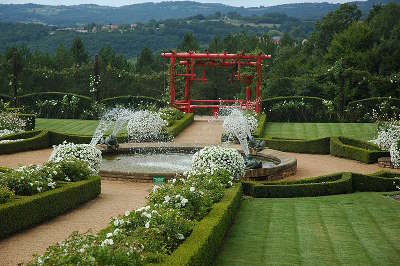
<point x="281" y="242"/>
<point x="371" y="236"/>
<point x="352" y="229"/>
<point x="362" y="131"/>
<point x="315" y="246"/>
<point x="255" y="227"/>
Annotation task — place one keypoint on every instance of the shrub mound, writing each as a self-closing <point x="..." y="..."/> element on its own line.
<point x="340" y="183"/>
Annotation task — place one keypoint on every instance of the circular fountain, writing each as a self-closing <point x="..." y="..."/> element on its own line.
<point x="141" y="162"/>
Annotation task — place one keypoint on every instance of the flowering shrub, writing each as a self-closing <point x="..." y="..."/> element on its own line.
<point x="146" y="126"/>
<point x="388" y="133"/>
<point x="395" y="154"/>
<point x="28" y="180"/>
<point x="214" y="158"/>
<point x="10" y="123"/>
<point x="147" y="234"/>
<point x="84" y="152"/>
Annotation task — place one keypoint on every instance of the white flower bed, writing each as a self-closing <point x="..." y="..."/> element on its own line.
<point x="387" y="136"/>
<point x="84" y="152"/>
<point x="146" y="126"/>
<point x="395" y="154"/>
<point x="10" y="124"/>
<point x="214" y="158"/>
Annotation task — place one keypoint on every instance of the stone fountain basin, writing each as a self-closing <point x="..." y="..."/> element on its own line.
<point x="274" y="166"/>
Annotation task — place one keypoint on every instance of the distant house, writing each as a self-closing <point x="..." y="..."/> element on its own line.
<point x="276" y="40"/>
<point x="114" y="27"/>
<point x="133" y="26"/>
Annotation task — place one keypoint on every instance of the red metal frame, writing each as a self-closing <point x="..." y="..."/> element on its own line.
<point x="192" y="60"/>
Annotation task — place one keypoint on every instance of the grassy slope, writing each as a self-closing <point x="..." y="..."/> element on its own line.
<point x="362" y="131"/>
<point x="352" y="229"/>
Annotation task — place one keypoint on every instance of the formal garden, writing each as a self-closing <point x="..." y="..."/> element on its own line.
<point x="109" y="161"/>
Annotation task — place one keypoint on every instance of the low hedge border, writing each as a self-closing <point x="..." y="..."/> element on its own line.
<point x="33" y="140"/>
<point x="356" y="150"/>
<point x="203" y="245"/>
<point x="24" y="212"/>
<point x="179" y="125"/>
<point x="314" y="146"/>
<point x="340" y="183"/>
<point x="259" y="132"/>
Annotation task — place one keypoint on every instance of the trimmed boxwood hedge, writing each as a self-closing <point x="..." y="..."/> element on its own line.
<point x="314" y="146"/>
<point x="133" y="101"/>
<point x="356" y="150"/>
<point x="340" y="183"/>
<point x="317" y="186"/>
<point x="203" y="245"/>
<point x="259" y="132"/>
<point x="33" y="140"/>
<point x="179" y="125"/>
<point x="24" y="212"/>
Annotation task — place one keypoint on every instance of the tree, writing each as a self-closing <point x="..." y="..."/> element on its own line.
<point x="63" y="57"/>
<point x="189" y="43"/>
<point x="78" y="52"/>
<point x="333" y="23"/>
<point x="145" y="61"/>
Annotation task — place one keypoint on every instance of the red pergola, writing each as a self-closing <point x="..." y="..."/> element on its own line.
<point x="192" y="60"/>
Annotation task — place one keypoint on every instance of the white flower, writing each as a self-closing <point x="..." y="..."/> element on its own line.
<point x="166" y="199"/>
<point x="184" y="201"/>
<point x="145" y="126"/>
<point x="180" y="236"/>
<point x="147" y="225"/>
<point x="109" y="235"/>
<point x="192" y="189"/>
<point x="127" y="213"/>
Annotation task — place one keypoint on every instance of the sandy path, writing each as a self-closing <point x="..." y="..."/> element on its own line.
<point x="115" y="199"/>
<point x="201" y="132"/>
<point x="309" y="165"/>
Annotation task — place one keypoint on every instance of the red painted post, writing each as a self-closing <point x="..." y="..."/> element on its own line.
<point x="187" y="82"/>
<point x="258" y="85"/>
<point x="172" y="80"/>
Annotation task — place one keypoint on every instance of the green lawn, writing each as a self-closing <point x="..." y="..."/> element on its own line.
<point x="351" y="229"/>
<point x="69" y="126"/>
<point x="362" y="131"/>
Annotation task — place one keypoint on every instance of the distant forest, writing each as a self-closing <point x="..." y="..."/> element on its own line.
<point x="156" y="35"/>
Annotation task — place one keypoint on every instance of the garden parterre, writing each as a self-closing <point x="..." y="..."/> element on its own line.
<point x="150" y="233"/>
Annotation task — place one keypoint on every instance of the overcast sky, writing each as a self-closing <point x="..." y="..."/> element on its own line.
<point x="129" y="2"/>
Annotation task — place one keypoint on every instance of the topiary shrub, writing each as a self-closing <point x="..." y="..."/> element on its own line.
<point x="5" y="194"/>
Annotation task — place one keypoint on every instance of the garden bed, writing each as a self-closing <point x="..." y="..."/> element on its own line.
<point x="25" y="211"/>
<point x="29" y="140"/>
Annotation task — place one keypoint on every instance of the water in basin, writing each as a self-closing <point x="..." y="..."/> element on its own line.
<point x="148" y="163"/>
<point x="154" y="163"/>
